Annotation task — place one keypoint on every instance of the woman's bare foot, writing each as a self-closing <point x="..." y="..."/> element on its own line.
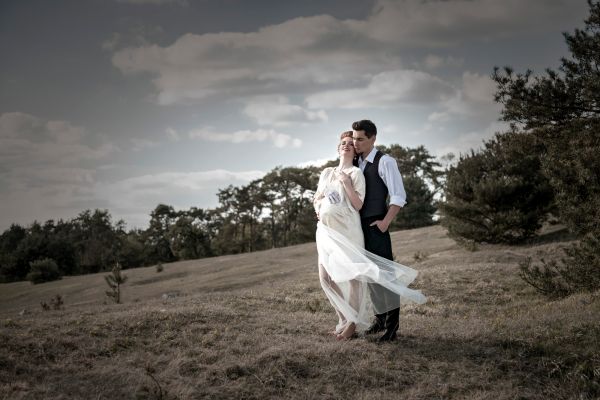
<point x="337" y="331"/>
<point x="348" y="332"/>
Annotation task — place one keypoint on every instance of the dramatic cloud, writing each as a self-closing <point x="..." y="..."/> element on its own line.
<point x="277" y="111"/>
<point x="321" y="52"/>
<point x="141" y="144"/>
<point x="48" y="172"/>
<point x="386" y="89"/>
<point x="279" y="140"/>
<point x="46" y="167"/>
<point x="433" y="61"/>
<point x="198" y="180"/>
<point x="316" y="163"/>
<point x="302" y="53"/>
<point x="137" y="34"/>
<point x="440" y="23"/>
<point x="464" y="142"/>
<point x="474" y="100"/>
<point x="172" y="134"/>
<point x="140" y="194"/>
<point x="28" y="141"/>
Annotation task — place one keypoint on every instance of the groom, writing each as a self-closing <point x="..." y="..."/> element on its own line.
<point x="383" y="179"/>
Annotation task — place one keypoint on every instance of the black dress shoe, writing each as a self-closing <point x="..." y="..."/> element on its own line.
<point x="375" y="328"/>
<point x="388" y="336"/>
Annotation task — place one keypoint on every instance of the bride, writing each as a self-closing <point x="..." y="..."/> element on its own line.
<point x="346" y="269"/>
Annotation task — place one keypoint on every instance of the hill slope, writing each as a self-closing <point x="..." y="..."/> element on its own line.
<point x="254" y="326"/>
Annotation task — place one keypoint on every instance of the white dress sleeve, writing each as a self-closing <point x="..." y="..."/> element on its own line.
<point x="358" y="183"/>
<point x="319" y="193"/>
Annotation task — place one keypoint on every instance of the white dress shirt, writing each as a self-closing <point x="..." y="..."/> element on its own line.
<point x="390" y="174"/>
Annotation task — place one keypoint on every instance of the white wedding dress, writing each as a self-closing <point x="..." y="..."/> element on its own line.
<point x="346" y="269"/>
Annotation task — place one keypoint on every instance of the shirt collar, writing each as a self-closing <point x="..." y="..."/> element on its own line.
<point x="371" y="156"/>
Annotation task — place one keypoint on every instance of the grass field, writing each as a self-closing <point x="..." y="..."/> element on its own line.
<point x="254" y="326"/>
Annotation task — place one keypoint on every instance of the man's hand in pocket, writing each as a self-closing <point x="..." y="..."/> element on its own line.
<point x="382" y="226"/>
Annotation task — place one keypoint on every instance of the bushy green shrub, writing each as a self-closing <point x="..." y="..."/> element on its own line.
<point x="578" y="271"/>
<point x="498" y="194"/>
<point x="43" y="270"/>
<point x="571" y="162"/>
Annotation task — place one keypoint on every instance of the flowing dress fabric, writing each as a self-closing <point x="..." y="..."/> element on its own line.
<point x="346" y="269"/>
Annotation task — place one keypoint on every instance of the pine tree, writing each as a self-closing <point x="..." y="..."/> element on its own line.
<point x="498" y="194"/>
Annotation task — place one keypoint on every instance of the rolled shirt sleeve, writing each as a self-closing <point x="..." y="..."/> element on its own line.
<point x="389" y="172"/>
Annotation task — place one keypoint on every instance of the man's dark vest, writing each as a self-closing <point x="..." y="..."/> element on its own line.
<point x="375" y="202"/>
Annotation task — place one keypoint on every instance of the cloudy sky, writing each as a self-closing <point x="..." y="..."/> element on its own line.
<point x="124" y="104"/>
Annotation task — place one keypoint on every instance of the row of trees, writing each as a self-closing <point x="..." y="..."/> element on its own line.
<point x="549" y="163"/>
<point x="273" y="211"/>
<point x="87" y="243"/>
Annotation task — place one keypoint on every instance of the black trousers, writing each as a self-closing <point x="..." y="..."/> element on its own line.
<point x="380" y="243"/>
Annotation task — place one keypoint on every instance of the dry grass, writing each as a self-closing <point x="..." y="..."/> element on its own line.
<point x="254" y="326"/>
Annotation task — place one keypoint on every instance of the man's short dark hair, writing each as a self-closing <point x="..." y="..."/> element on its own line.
<point x="367" y="126"/>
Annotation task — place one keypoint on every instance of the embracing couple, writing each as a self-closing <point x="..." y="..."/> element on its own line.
<point x="356" y="267"/>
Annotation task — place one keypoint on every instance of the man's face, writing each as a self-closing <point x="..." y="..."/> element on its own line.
<point x="362" y="143"/>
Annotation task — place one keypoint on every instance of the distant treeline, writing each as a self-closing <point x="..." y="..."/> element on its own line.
<point x="274" y="211"/>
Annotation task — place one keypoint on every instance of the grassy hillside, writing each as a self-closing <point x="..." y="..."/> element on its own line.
<point x="255" y="326"/>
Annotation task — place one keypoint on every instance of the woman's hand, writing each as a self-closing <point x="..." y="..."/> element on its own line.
<point x="346" y="181"/>
<point x="344" y="178"/>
